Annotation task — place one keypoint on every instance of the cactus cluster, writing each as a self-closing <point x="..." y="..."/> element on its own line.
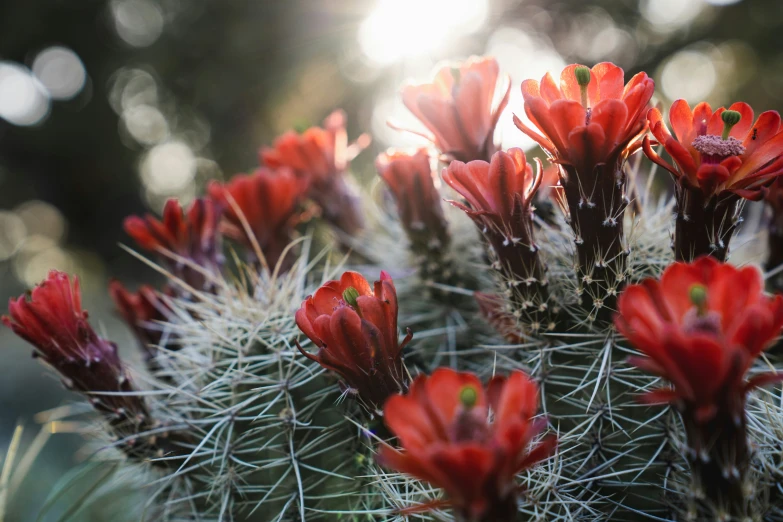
<point x="559" y="341"/>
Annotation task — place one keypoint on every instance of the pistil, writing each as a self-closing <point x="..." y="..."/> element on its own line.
<point x="583" y="79"/>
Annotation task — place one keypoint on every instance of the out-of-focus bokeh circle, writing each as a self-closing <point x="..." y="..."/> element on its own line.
<point x="61" y="71"/>
<point x="23" y="100"/>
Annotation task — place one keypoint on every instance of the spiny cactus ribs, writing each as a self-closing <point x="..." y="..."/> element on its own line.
<point x="557" y="366"/>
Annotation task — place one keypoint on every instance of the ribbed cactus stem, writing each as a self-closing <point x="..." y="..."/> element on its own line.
<point x="520" y="265"/>
<point x="719" y="458"/>
<point x="431" y="248"/>
<point x="596" y="208"/>
<point x="704" y="226"/>
<point x="775" y="250"/>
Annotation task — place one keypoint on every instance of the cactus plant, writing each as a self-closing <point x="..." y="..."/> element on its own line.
<point x="587" y="365"/>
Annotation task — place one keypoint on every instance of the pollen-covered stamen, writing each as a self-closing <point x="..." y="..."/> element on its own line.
<point x="582" y="74"/>
<point x="715" y="149"/>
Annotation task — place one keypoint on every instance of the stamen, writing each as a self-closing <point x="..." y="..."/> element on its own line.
<point x="713" y="146"/>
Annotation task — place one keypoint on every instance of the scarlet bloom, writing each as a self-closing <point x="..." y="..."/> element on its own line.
<point x="458" y="108"/>
<point x="701" y="327"/>
<point x="499" y="193"/>
<point x="146" y="314"/>
<point x="52" y="320"/>
<point x="188" y="242"/>
<point x="443" y="425"/>
<point x="716" y="156"/>
<point x="409" y="178"/>
<point x="322" y="156"/>
<point x="260" y="209"/>
<point x="499" y="199"/>
<point x="719" y="158"/>
<point x="354" y="327"/>
<point x="590" y="124"/>
<point x="584" y="126"/>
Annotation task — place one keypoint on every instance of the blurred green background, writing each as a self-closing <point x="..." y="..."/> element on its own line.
<point x="108" y="108"/>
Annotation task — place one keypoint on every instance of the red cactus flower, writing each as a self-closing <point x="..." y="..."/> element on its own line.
<point x="458" y="108"/>
<point x="499" y="193"/>
<point x="719" y="158"/>
<point x="443" y="425"/>
<point x="590" y="124"/>
<point x="701" y="327"/>
<point x="145" y="313"/>
<point x="322" y="156"/>
<point x="499" y="200"/>
<point x="268" y="202"/>
<point x="720" y="151"/>
<point x="409" y="178"/>
<point x="188" y="242"/>
<point x="354" y="327"/>
<point x="586" y="122"/>
<point x="52" y="320"/>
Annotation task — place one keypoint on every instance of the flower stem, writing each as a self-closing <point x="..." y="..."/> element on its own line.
<point x="719" y="458"/>
<point x="596" y="206"/>
<point x="704" y="227"/>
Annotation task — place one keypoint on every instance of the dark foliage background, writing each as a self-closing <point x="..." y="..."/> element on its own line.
<point x="109" y="107"/>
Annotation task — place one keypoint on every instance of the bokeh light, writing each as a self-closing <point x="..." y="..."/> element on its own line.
<point x="23" y="100"/>
<point x="42" y="219"/>
<point x="399" y="29"/>
<point x="61" y="71"/>
<point x="168" y="169"/>
<point x="12" y="234"/>
<point x="146" y="124"/>
<point x="132" y="87"/>
<point x="139" y="23"/>
<point x="388" y="108"/>
<point x="523" y="55"/>
<point x="688" y="74"/>
<point x="670" y="15"/>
